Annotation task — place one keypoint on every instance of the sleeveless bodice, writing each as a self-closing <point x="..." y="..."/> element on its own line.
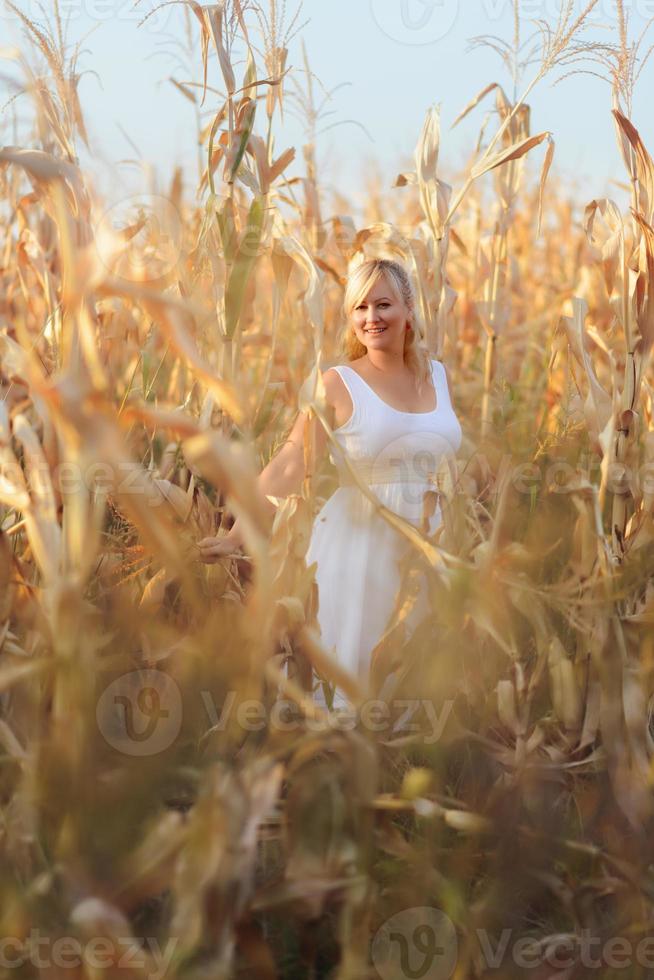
<point x="391" y="449"/>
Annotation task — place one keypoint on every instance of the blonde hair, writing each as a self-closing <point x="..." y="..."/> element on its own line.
<point x="359" y="282"/>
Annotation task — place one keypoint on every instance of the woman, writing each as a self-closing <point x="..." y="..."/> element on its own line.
<point x="390" y="411"/>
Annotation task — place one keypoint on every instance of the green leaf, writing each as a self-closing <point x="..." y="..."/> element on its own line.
<point x="248" y="250"/>
<point x="245" y="137"/>
<point x="227" y="228"/>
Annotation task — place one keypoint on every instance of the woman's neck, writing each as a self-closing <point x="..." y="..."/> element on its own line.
<point x="387" y="362"/>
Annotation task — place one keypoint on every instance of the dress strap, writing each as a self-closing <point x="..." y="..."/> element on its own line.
<point x="440" y="383"/>
<point x="436" y="380"/>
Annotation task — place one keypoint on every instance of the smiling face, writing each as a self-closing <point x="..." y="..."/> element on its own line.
<point x="379" y="320"/>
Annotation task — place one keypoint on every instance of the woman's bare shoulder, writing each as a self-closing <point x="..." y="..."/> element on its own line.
<point x="336" y="392"/>
<point x="334" y="384"/>
<point x="353" y="365"/>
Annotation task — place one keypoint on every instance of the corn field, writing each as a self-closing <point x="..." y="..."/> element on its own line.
<point x="173" y="801"/>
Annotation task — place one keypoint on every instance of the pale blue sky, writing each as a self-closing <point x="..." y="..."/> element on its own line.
<point x="396" y="57"/>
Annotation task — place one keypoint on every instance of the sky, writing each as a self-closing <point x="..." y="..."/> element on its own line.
<point x="383" y="62"/>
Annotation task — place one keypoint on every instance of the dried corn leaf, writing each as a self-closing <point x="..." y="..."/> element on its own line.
<point x="176" y="319"/>
<point x="513" y="152"/>
<point x="547" y="163"/>
<point x="474" y="102"/>
<point x="638" y="163"/>
<point x="231" y="467"/>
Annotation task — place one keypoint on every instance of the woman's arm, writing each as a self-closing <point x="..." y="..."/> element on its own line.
<point x="282" y="476"/>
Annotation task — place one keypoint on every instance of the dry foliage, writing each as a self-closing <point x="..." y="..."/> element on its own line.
<point x="143" y="387"/>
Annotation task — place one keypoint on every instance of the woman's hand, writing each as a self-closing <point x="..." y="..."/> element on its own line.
<point x="213" y="549"/>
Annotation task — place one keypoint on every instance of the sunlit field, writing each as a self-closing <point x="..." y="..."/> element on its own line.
<point x="174" y="801"/>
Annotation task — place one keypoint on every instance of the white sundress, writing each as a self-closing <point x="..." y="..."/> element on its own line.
<point x="356" y="550"/>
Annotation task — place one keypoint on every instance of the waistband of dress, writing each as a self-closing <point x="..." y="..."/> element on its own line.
<point x="381" y="475"/>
